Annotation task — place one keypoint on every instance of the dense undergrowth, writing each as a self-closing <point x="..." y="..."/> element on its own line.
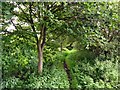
<point x="86" y="70"/>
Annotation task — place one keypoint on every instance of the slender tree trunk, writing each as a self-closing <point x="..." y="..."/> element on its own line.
<point x="40" y="46"/>
<point x="40" y="58"/>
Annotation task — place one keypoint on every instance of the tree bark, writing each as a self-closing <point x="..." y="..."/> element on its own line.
<point x="40" y="46"/>
<point x="40" y="58"/>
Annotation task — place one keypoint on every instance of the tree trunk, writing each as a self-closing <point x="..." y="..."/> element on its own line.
<point x="40" y="59"/>
<point x="40" y="46"/>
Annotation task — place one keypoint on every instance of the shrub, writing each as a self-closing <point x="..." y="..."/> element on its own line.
<point x="103" y="74"/>
<point x="55" y="79"/>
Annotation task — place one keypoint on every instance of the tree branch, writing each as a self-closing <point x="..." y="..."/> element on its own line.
<point x="24" y="13"/>
<point x="44" y="37"/>
<point x="57" y="8"/>
<point x="14" y="25"/>
<point x="31" y="21"/>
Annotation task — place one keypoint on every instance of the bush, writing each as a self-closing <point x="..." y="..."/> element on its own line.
<point x="103" y="74"/>
<point x="55" y="79"/>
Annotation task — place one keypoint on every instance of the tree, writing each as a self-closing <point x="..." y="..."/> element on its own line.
<point x="37" y="16"/>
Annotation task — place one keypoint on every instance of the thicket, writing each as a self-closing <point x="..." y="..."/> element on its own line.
<point x="86" y="70"/>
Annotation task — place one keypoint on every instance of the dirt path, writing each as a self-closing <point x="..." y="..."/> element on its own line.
<point x="68" y="74"/>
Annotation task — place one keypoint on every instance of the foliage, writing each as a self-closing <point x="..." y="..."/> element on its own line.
<point x="51" y="78"/>
<point x="12" y="82"/>
<point x="54" y="79"/>
<point x="84" y="35"/>
<point x="18" y="59"/>
<point x="101" y="74"/>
